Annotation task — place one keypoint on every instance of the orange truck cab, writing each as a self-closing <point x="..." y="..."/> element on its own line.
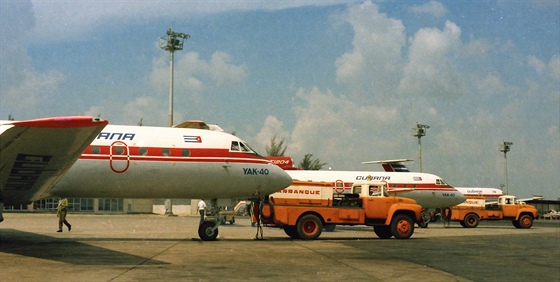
<point x="304" y="208"/>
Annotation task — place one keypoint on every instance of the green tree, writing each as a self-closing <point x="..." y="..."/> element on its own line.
<point x="276" y="148"/>
<point x="311" y="164"/>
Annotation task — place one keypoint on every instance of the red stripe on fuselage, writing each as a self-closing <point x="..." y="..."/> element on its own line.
<point x="157" y="154"/>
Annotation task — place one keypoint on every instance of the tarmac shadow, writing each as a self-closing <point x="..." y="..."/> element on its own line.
<point x="67" y="250"/>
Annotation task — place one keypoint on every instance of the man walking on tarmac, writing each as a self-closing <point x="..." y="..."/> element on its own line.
<point x="201" y="210"/>
<point x="61" y="211"/>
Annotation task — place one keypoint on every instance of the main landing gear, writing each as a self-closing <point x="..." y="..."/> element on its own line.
<point x="208" y="230"/>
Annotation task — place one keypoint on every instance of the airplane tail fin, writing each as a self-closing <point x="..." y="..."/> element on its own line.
<point x="392" y="165"/>
<point x="286" y="163"/>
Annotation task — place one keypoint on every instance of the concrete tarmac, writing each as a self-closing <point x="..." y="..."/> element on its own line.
<point x="158" y="248"/>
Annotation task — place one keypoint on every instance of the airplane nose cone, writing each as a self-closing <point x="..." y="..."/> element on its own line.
<point x="278" y="179"/>
<point x="460" y="198"/>
<point x="284" y="180"/>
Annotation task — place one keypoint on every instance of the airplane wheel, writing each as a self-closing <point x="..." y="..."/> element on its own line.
<point x="402" y="226"/>
<point x="232" y="221"/>
<point x="383" y="232"/>
<point x="330" y="227"/>
<point x="423" y="224"/>
<point x="206" y="231"/>
<point x="470" y="220"/>
<point x="525" y="221"/>
<point x="309" y="227"/>
<point x="426" y="217"/>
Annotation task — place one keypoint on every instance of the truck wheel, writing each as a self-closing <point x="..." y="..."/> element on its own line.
<point x="309" y="227"/>
<point x="525" y="221"/>
<point x="291" y="231"/>
<point x="232" y="221"/>
<point x="330" y="227"/>
<point x="402" y="226"/>
<point x="383" y="232"/>
<point x="470" y="220"/>
<point x="206" y="233"/>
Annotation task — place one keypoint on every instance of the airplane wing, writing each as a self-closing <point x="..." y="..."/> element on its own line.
<point x="392" y="165"/>
<point x="35" y="154"/>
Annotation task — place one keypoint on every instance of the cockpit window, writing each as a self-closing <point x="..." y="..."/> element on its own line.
<point x="237" y="146"/>
<point x="441" y="182"/>
<point x="245" y="148"/>
<point x="234" y="146"/>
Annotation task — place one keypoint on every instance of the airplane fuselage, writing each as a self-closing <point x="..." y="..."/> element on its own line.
<point x="161" y="162"/>
<point x="429" y="190"/>
<point x="488" y="193"/>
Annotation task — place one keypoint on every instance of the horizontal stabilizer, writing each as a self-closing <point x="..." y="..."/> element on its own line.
<point x="37" y="153"/>
<point x="392" y="165"/>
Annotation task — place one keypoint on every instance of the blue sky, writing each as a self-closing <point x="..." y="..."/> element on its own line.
<point x="345" y="81"/>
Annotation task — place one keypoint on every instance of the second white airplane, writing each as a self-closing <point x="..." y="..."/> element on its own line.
<point x="428" y="190"/>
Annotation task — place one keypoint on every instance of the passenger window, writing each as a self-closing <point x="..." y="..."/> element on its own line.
<point x="186" y="152"/>
<point x="143" y="151"/>
<point x="95" y="150"/>
<point x="165" y="152"/>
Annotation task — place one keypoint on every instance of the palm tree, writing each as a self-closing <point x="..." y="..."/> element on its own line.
<point x="309" y="164"/>
<point x="276" y="149"/>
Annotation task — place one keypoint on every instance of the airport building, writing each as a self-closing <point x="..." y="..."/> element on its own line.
<point x="181" y="207"/>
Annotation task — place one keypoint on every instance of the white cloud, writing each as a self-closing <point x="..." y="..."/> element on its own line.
<point x="339" y="130"/>
<point x="479" y="48"/>
<point x="430" y="70"/>
<point x="373" y="65"/>
<point x="490" y="85"/>
<point x="433" y="8"/>
<point x="192" y="75"/>
<point x="223" y="72"/>
<point x="35" y="90"/>
<point x="272" y="127"/>
<point x="23" y="88"/>
<point x="538" y="65"/>
<point x="80" y="20"/>
<point x="554" y="66"/>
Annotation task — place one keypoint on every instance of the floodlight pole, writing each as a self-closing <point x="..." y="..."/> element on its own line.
<point x="420" y="131"/>
<point x="505" y="147"/>
<point x="172" y="42"/>
<point x="170" y="113"/>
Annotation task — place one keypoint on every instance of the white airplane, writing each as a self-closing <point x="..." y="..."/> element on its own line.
<point x="39" y="161"/>
<point x="430" y="191"/>
<point x="488" y="193"/>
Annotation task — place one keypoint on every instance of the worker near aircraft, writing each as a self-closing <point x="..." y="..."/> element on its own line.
<point x="61" y="211"/>
<point x="202" y="210"/>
